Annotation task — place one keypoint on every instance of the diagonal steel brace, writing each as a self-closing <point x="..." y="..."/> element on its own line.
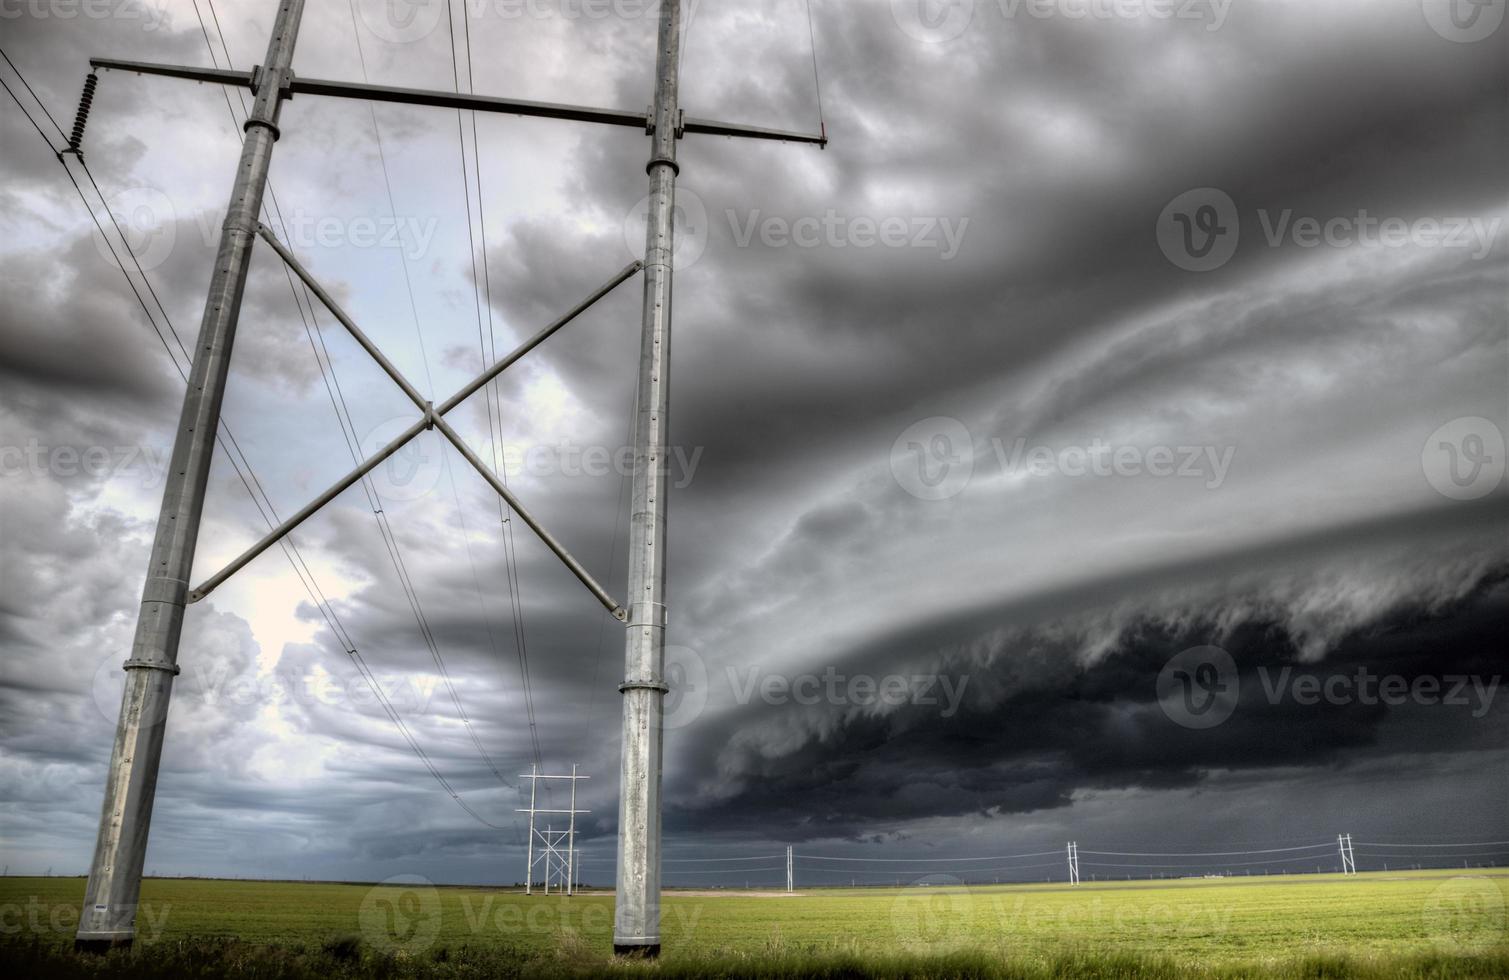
<point x="434" y="418"/>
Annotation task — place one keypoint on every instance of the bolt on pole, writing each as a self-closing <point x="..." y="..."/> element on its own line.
<point x="108" y="918"/>
<point x="636" y="912"/>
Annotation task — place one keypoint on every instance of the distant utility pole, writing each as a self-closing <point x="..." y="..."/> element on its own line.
<point x="790" y="872"/>
<point x="1344" y="846"/>
<point x="108" y="917"/>
<point x="559" y="861"/>
<point x="1073" y="863"/>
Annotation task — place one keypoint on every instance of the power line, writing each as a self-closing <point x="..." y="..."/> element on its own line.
<point x="995" y="857"/>
<point x="1207" y="864"/>
<point x="40" y="105"/>
<point x="242" y="468"/>
<point x="1269" y="850"/>
<point x="1439" y="857"/>
<point x="816" y="81"/>
<point x="1481" y="843"/>
<point x="491" y="394"/>
<point x="374" y="500"/>
<point x="892" y="872"/>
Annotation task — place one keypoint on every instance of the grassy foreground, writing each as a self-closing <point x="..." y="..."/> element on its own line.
<point x="1413" y="924"/>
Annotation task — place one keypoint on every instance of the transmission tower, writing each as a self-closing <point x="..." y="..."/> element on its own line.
<point x="1348" y="861"/>
<point x="560" y="863"/>
<point x="1073" y="852"/>
<point x="108" y="917"/>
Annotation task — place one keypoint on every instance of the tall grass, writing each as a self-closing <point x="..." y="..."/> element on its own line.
<point x="348" y="959"/>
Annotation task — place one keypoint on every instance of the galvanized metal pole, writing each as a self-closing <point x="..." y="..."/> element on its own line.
<point x="571" y="836"/>
<point x="636" y="913"/>
<point x="108" y="918"/>
<point x="534" y="781"/>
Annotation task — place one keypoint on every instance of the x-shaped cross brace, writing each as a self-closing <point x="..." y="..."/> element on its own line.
<point x="434" y="418"/>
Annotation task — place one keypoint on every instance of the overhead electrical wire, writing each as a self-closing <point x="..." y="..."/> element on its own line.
<point x="226" y="438"/>
<point x="816" y="81"/>
<point x="1481" y="843"/>
<point x="933" y="860"/>
<point x="1268" y="850"/>
<point x="491" y="391"/>
<point x="892" y="872"/>
<point x="374" y="500"/>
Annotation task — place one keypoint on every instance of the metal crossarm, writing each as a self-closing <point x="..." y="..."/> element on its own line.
<point x="460" y="100"/>
<point x="433" y="418"/>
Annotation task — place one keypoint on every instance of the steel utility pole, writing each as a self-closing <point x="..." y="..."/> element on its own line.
<point x="636" y="913"/>
<point x="108" y="918"/>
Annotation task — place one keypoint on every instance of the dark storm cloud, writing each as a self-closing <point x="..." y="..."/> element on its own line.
<point x="1055" y="698"/>
<point x="793" y="548"/>
<point x="1380" y="114"/>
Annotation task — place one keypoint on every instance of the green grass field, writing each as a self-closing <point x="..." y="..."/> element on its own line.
<point x="1429" y="923"/>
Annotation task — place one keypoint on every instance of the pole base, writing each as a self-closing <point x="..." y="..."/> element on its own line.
<point x="637" y="952"/>
<point x="99" y="947"/>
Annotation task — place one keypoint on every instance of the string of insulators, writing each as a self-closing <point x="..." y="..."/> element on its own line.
<point x="86" y="98"/>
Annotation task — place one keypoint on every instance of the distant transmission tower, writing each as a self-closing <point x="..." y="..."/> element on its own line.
<point x="559" y="861"/>
<point x="790" y="872"/>
<point x="1073" y="862"/>
<point x="1348" y="861"/>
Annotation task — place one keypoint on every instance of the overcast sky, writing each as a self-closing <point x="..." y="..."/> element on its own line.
<point x="1101" y="332"/>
